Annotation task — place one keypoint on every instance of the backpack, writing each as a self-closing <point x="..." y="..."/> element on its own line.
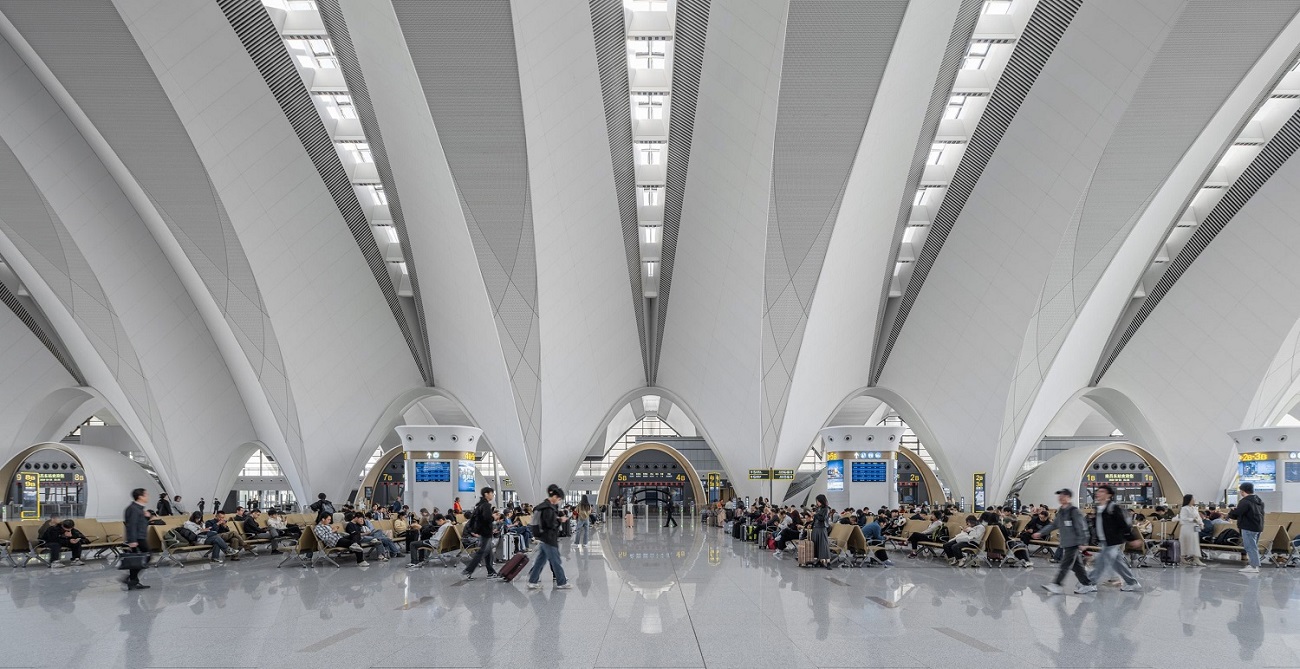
<point x="1228" y="537"/>
<point x="188" y="535"/>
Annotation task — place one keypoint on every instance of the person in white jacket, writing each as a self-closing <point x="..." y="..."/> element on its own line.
<point x="1189" y="532"/>
<point x="967" y="538"/>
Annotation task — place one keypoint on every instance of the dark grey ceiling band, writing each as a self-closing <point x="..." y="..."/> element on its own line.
<point x="51" y="342"/>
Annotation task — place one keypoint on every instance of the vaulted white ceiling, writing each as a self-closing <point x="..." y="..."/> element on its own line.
<point x="289" y="222"/>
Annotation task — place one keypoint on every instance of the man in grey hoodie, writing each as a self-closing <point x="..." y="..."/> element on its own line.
<point x="1073" y="528"/>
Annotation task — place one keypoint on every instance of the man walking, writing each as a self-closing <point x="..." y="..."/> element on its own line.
<point x="669" y="509"/>
<point x="136" y="534"/>
<point x="549" y="518"/>
<point x="1073" y="530"/>
<point x="1113" y="533"/>
<point x="480" y="522"/>
<point x="1249" y="515"/>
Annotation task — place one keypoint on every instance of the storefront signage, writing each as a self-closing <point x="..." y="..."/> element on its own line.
<point x="30" y="484"/>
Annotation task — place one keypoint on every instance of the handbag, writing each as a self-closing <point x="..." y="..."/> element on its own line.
<point x="133" y="561"/>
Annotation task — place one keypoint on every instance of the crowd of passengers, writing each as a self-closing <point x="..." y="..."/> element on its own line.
<point x="1199" y="524"/>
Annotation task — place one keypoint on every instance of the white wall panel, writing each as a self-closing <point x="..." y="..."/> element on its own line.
<point x="590" y="348"/>
<point x="712" y="351"/>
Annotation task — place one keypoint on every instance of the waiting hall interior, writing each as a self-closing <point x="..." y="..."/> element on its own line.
<point x="650" y="333"/>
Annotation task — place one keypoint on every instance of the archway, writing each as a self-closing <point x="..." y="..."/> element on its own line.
<point x="693" y="477"/>
<point x="109" y="476"/>
<point x="851" y="411"/>
<point x="933" y="489"/>
<point x="386" y="480"/>
<point x="1071" y="467"/>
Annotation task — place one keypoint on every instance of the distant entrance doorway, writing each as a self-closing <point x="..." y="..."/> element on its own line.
<point x="647" y="476"/>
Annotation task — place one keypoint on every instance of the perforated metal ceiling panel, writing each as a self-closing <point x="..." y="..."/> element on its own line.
<point x="43" y="240"/>
<point x="43" y="332"/>
<point x="835" y="56"/>
<point x="1209" y="49"/>
<point x="610" y="36"/>
<point x="253" y="25"/>
<point x="692" y="28"/>
<point x="125" y="102"/>
<point x="332" y="15"/>
<point x="464" y="54"/>
<point x="1046" y="26"/>
<point x="1279" y="150"/>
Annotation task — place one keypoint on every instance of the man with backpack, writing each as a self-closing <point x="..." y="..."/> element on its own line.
<point x="1073" y="530"/>
<point x="480" y="523"/>
<point x="1114" y="532"/>
<point x="548" y="518"/>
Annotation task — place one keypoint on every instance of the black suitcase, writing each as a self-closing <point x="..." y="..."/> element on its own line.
<point x="737" y="529"/>
<point x="514" y="566"/>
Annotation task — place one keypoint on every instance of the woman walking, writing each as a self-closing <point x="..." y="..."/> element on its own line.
<point x="820" y="533"/>
<point x="1189" y="532"/>
<point x="582" y="528"/>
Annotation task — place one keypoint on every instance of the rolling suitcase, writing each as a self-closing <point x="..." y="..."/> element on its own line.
<point x="1171" y="552"/>
<point x="736" y="530"/>
<point x="514" y="566"/>
<point x="762" y="537"/>
<point x="751" y="533"/>
<point x="804" y="552"/>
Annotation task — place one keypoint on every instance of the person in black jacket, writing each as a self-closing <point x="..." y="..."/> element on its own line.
<point x="1113" y="532"/>
<point x="1249" y="515"/>
<point x="479" y="523"/>
<point x="548" y="518"/>
<point x="136" y="533"/>
<point x="58" y="534"/>
<point x="669" y="510"/>
<point x="164" y="505"/>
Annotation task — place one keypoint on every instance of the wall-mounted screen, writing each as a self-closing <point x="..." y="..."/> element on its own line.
<point x="465" y="479"/>
<point x="1293" y="472"/>
<point x="1262" y="473"/>
<point x="432" y="471"/>
<point x="835" y="475"/>
<point x="869" y="472"/>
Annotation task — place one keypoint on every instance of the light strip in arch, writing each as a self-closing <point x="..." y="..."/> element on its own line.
<point x="694" y="476"/>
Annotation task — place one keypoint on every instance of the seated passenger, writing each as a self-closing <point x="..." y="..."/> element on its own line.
<point x="788" y="530"/>
<point x="328" y="538"/>
<point x="369" y="530"/>
<point x="356" y="525"/>
<point x="437" y="529"/>
<point x="217" y="524"/>
<point x="875" y="537"/>
<point x="930" y="533"/>
<point x="967" y="538"/>
<point x="208" y="537"/>
<point x="254" y="530"/>
<point x="59" y="534"/>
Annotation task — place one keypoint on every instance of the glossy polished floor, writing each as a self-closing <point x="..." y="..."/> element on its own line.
<point x="647" y="597"/>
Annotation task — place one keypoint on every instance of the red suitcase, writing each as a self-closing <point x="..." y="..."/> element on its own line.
<point x="514" y="566"/>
